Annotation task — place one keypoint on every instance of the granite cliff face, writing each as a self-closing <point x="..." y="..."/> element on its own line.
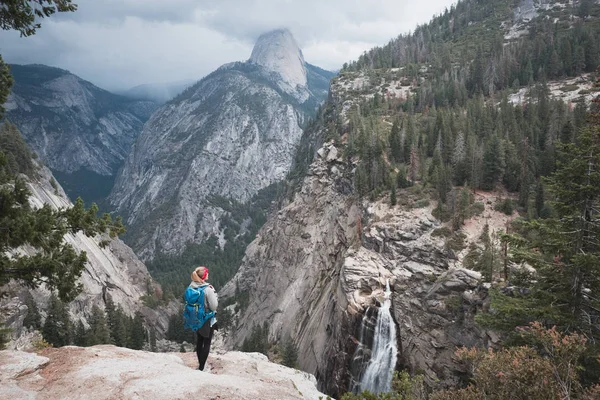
<point x="322" y="261"/>
<point x="278" y="52"/>
<point x="113" y="271"/>
<point x="72" y="125"/>
<point x="230" y="135"/>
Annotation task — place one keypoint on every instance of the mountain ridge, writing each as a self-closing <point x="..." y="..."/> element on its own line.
<point x="72" y="125"/>
<point x="231" y="134"/>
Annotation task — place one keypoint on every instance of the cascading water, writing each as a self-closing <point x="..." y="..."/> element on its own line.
<point x="377" y="377"/>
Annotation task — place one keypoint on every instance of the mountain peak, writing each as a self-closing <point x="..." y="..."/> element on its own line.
<point x="277" y="51"/>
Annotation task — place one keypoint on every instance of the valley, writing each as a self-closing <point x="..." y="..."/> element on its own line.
<point x="411" y="224"/>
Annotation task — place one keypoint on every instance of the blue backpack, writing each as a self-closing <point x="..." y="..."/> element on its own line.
<point x="194" y="314"/>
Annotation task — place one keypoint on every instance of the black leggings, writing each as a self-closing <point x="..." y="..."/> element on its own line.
<point x="203" y="348"/>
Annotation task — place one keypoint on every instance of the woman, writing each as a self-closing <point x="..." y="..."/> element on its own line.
<point x="205" y="333"/>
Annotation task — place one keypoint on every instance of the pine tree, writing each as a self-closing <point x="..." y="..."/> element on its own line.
<point x="258" y="341"/>
<point x="567" y="56"/>
<point x="566" y="133"/>
<point x="81" y="335"/>
<point x="401" y="180"/>
<point x="409" y="138"/>
<point x="111" y="321"/>
<point x="176" y="332"/>
<point x="592" y="56"/>
<point x="6" y="81"/>
<point x="459" y="160"/>
<point x="524" y="175"/>
<point x="585" y="7"/>
<point x="555" y="65"/>
<point x="361" y="179"/>
<point x="487" y="261"/>
<point x="461" y="209"/>
<point x="393" y="194"/>
<point x="57" y="327"/>
<point x="578" y="60"/>
<point x="493" y="163"/>
<point x="32" y="319"/>
<point x="539" y="199"/>
<point x="119" y="327"/>
<point x="99" y="332"/>
<point x="415" y="163"/>
<point x="396" y="143"/>
<point x="290" y="354"/>
<point x="152" y="340"/>
<point x="138" y="333"/>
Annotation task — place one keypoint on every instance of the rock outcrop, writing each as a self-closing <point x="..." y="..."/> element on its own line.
<point x="109" y="372"/>
<point x="230" y="135"/>
<point x="322" y="261"/>
<point x="278" y="52"/>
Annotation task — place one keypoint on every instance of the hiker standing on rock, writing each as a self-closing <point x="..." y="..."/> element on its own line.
<point x="199" y="314"/>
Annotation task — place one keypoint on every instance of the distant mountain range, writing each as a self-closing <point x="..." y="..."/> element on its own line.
<point x="82" y="132"/>
<point x="159" y="93"/>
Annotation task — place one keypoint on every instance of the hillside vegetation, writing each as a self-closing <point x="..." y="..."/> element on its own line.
<point x="478" y="99"/>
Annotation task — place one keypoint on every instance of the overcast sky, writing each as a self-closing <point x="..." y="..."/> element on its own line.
<point x="118" y="44"/>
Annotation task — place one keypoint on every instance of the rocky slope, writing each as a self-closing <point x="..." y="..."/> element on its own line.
<point x="230" y="135"/>
<point x="71" y="124"/>
<point x="109" y="372"/>
<point x="112" y="271"/>
<point x="319" y="264"/>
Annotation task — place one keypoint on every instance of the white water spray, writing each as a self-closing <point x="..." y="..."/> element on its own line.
<point x="378" y="374"/>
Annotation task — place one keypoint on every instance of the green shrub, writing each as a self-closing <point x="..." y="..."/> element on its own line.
<point x="546" y="212"/>
<point x="422" y="203"/>
<point x="401" y="180"/>
<point x="471" y="260"/>
<point x="404" y="387"/>
<point x="454" y="303"/>
<point x="477" y="208"/>
<point x="290" y="354"/>
<point x="442" y="212"/>
<point x="444" y="231"/>
<point x="569" y="88"/>
<point x="506" y="206"/>
<point x="456" y="242"/>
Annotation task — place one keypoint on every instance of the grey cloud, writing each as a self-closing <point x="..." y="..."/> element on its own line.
<point x="123" y="43"/>
<point x="314" y="19"/>
<point x="115" y="11"/>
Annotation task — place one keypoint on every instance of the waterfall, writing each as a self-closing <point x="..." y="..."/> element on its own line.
<point x="377" y="377"/>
